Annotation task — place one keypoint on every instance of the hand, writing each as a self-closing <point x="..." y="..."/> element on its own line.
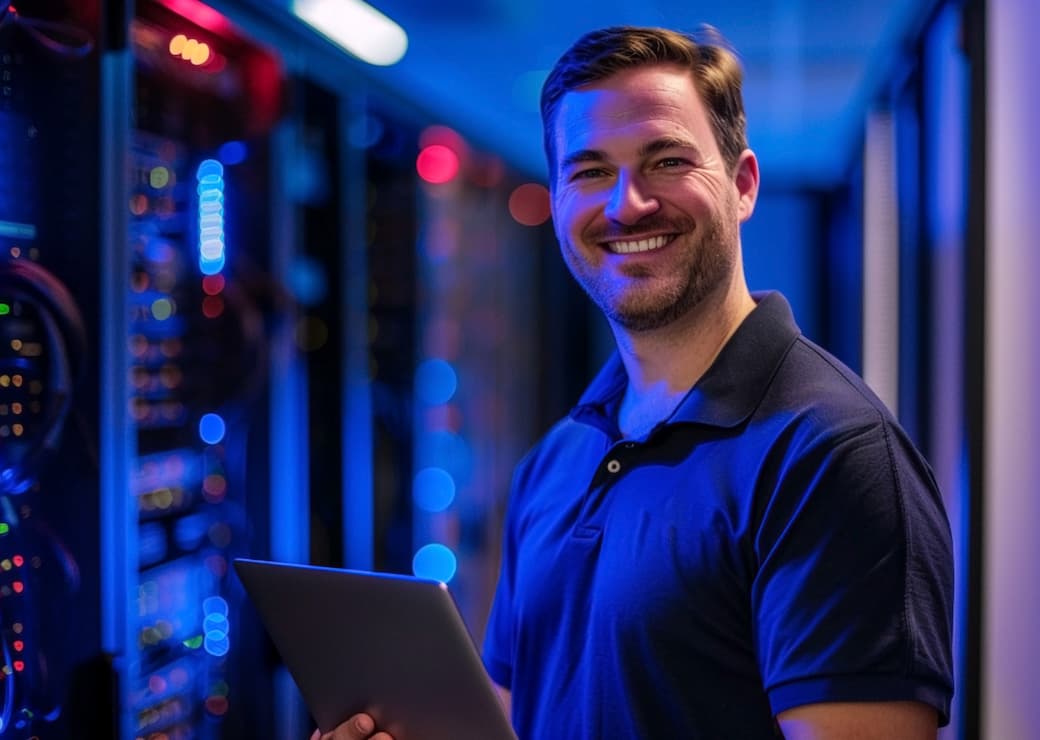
<point x="358" y="727"/>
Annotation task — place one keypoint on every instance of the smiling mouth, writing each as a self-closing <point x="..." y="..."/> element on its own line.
<point x="634" y="246"/>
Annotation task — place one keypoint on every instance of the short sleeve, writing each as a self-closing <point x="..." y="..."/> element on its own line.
<point x="852" y="597"/>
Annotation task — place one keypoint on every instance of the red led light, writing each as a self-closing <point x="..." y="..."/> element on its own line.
<point x="212" y="284"/>
<point x="212" y="306"/>
<point x="201" y="15"/>
<point x="18" y="586"/>
<point x="437" y="164"/>
<point x="217" y="705"/>
<point x="18" y="560"/>
<point x="19" y="665"/>
<point x="19" y="646"/>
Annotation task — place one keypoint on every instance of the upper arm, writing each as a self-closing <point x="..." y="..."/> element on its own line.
<point x="907" y="720"/>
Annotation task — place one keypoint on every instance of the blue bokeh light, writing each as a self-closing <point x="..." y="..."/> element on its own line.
<point x="435" y="381"/>
<point x="436" y="562"/>
<point x="215" y="605"/>
<point x="210" y="178"/>
<point x="233" y="152"/>
<point x="216" y="643"/>
<point x="211" y="429"/>
<point x="433" y="489"/>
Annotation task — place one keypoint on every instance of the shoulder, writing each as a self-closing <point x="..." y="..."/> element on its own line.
<point x="812" y="380"/>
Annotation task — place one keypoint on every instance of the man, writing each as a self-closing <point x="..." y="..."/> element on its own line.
<point x="729" y="536"/>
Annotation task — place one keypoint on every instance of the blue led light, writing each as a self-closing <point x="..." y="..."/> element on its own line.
<point x="211" y="267"/>
<point x="215" y="605"/>
<point x="233" y="152"/>
<point x="435" y="562"/>
<point x="435" y="381"/>
<point x="216" y="643"/>
<point x="433" y="489"/>
<point x="215" y="626"/>
<point x="215" y="623"/>
<point x="211" y="429"/>
<point x="210" y="178"/>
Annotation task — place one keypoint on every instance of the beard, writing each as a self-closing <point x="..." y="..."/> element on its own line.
<point x="644" y="301"/>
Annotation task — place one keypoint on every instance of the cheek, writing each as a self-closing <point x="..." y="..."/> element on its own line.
<point x="571" y="213"/>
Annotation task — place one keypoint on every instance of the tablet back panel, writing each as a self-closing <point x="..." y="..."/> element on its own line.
<point x="393" y="646"/>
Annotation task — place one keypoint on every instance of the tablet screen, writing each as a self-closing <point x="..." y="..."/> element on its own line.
<point x="393" y="646"/>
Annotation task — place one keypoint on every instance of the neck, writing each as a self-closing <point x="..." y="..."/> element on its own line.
<point x="664" y="364"/>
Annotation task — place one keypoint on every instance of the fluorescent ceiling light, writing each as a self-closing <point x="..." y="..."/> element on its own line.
<point x="357" y="27"/>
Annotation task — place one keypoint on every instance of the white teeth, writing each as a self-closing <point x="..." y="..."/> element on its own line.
<point x="642" y="245"/>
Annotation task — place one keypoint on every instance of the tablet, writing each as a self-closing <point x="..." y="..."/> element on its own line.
<point x="392" y="646"/>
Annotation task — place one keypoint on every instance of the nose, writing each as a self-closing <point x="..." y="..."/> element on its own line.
<point x="629" y="200"/>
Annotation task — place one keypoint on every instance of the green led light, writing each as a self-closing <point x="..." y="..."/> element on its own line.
<point x="5" y="308"/>
<point x="4" y="527"/>
<point x="194" y="643"/>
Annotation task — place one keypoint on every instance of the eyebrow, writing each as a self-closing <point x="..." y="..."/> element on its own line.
<point x="648" y="149"/>
<point x="666" y="142"/>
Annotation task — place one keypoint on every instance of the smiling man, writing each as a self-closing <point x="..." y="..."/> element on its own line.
<point x="729" y="536"/>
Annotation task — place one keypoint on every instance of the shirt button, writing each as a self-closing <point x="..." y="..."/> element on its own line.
<point x="613" y="466"/>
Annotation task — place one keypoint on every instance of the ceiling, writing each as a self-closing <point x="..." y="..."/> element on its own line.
<point x="813" y="67"/>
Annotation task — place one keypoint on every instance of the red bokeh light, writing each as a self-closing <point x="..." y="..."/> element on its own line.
<point x="217" y="705"/>
<point x="437" y="164"/>
<point x="212" y="306"/>
<point x="212" y="284"/>
<point x="529" y="204"/>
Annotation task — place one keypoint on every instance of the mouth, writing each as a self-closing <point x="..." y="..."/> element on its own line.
<point x="634" y="246"/>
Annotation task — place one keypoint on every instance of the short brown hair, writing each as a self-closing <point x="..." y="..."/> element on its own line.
<point x="599" y="54"/>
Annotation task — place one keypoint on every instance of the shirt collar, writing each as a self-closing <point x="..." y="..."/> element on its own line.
<point x="728" y="392"/>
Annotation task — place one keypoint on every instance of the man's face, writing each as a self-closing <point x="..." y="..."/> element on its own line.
<point x="646" y="213"/>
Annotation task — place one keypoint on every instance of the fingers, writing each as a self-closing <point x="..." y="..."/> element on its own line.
<point x="358" y="727"/>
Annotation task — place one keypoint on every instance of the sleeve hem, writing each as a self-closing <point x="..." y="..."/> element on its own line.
<point x="861" y="688"/>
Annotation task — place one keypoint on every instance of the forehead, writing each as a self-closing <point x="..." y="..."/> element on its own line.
<point x="630" y="107"/>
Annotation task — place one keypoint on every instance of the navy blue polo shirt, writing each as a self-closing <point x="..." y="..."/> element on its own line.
<point x="777" y="541"/>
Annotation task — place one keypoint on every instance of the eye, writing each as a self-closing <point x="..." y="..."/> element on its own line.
<point x="669" y="162"/>
<point x="588" y="174"/>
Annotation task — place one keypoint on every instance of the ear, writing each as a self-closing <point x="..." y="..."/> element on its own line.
<point x="745" y="177"/>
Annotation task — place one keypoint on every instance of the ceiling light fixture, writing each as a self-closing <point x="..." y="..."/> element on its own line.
<point x="357" y="27"/>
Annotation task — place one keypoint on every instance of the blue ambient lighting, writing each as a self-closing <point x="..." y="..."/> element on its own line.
<point x="211" y="429"/>
<point x="435" y="562"/>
